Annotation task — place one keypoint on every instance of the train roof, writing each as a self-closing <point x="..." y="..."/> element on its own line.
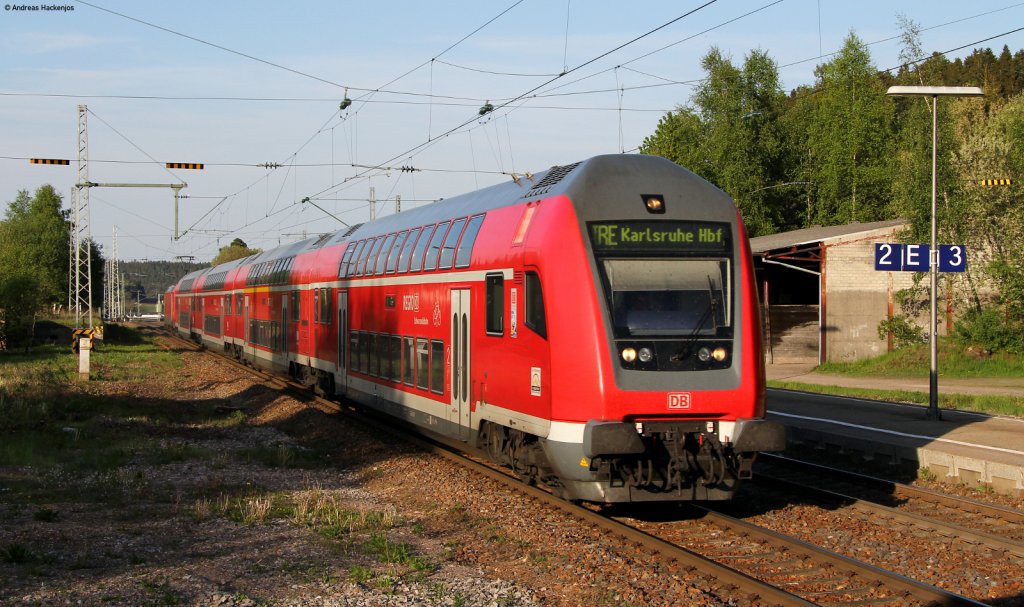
<point x="558" y="180"/>
<point x="598" y="171"/>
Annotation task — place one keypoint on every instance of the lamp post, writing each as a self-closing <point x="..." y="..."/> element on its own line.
<point x="933" y="263"/>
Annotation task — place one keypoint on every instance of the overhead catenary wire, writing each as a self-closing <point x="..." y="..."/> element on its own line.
<point x="443" y="52"/>
<point x="137" y="147"/>
<point x="517" y="107"/>
<point x="418" y="148"/>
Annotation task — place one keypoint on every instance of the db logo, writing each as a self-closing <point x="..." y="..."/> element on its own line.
<point x="679" y="400"/>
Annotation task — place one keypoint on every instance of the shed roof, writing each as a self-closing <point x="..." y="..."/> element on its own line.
<point x="764" y="244"/>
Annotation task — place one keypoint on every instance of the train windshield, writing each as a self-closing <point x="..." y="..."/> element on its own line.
<point x="669" y="297"/>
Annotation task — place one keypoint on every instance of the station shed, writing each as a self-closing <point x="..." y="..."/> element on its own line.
<point x="822" y="300"/>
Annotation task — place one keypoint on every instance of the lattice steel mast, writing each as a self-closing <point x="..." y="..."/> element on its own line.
<point x="81" y="234"/>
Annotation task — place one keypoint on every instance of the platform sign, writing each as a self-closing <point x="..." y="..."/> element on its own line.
<point x="888" y="257"/>
<point x="952" y="258"/>
<point x="894" y="257"/>
<point x="915" y="257"/>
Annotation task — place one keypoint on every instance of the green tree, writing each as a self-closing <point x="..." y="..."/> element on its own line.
<point x="849" y="139"/>
<point x="732" y="136"/>
<point x="33" y="261"/>
<point x="677" y="138"/>
<point x="989" y="220"/>
<point x="236" y="250"/>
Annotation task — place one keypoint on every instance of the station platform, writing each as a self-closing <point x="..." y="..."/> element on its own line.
<point x="971" y="448"/>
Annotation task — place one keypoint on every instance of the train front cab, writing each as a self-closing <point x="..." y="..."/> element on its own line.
<point x="665" y="399"/>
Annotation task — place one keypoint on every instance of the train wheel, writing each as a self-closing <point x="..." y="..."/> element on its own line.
<point x="493" y="440"/>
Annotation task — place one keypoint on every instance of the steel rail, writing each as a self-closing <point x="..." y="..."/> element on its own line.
<point x="1007" y="519"/>
<point x="721" y="576"/>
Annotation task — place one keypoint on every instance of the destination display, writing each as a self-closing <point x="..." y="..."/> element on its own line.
<point x="640" y="236"/>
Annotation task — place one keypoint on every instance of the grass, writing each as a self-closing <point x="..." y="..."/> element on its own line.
<point x="915" y="361"/>
<point x="64" y="441"/>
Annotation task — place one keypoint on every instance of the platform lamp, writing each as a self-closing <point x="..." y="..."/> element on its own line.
<point x="933" y="263"/>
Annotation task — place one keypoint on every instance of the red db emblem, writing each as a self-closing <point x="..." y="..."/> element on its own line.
<point x="678" y="400"/>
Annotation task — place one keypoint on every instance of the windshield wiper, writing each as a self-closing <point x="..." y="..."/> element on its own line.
<point x="709" y="313"/>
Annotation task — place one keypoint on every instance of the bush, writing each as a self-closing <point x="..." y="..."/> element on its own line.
<point x="990" y="329"/>
<point x="904" y="332"/>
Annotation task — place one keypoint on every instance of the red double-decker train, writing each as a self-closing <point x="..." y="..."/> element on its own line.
<point x="595" y="327"/>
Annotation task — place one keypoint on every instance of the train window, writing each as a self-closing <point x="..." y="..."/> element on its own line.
<point x="395" y="361"/>
<point x="293" y="306"/>
<point x="325" y="306"/>
<point x="422" y="358"/>
<point x="434" y="248"/>
<point x="385" y="249"/>
<point x="437" y="366"/>
<point x="366" y="347"/>
<point x="371" y="259"/>
<point x="275" y="271"/>
<point x="316" y="305"/>
<point x="227" y="304"/>
<point x="392" y="263"/>
<point x="448" y="248"/>
<point x="384" y="355"/>
<point x="361" y="261"/>
<point x="238" y="304"/>
<point x="353" y="348"/>
<point x="465" y="250"/>
<point x="407" y="360"/>
<point x="356" y="250"/>
<point x="406" y="255"/>
<point x="372" y="354"/>
<point x="495" y="301"/>
<point x="421" y="248"/>
<point x="534" y="313"/>
<point x="345" y="257"/>
<point x="680" y="297"/>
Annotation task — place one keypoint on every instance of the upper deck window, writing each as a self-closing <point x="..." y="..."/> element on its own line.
<point x="407" y="248"/>
<point x="357" y="251"/>
<point x="448" y="248"/>
<point x="465" y="251"/>
<point x="365" y="267"/>
<point x="434" y="248"/>
<point x="392" y="261"/>
<point x="382" y="257"/>
<point x="345" y="258"/>
<point x="421" y="249"/>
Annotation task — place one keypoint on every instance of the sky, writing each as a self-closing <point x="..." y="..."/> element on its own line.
<point x="253" y="90"/>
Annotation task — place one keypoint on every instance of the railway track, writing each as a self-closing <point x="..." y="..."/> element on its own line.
<point x="731" y="558"/>
<point x="983" y="526"/>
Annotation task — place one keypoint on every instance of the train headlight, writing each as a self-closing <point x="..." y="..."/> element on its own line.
<point x="645" y="355"/>
<point x="655" y="203"/>
<point x="704" y="355"/>
<point x="628" y="354"/>
<point x="719" y="354"/>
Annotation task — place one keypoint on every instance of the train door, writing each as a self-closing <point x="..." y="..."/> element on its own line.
<point x="341" y="380"/>
<point x="248" y="347"/>
<point x="283" y="335"/>
<point x="458" y="413"/>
